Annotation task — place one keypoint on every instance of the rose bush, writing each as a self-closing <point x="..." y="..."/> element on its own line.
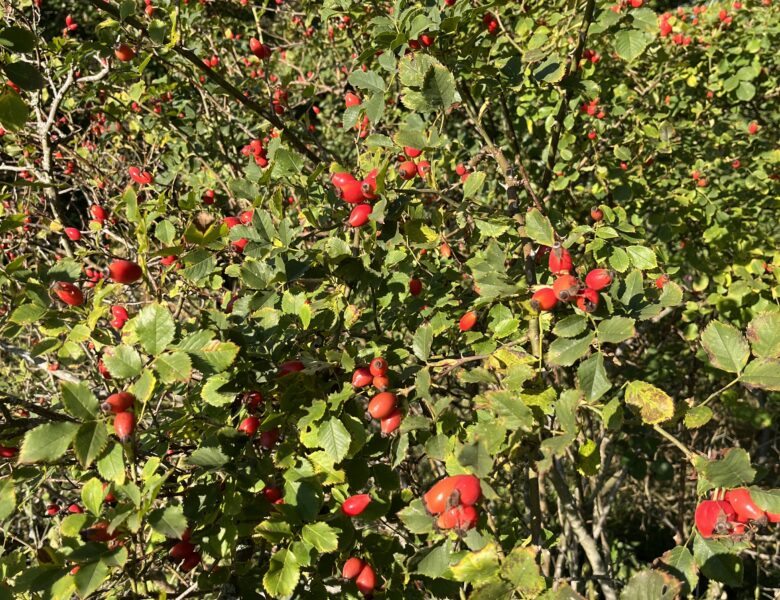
<point x="441" y="299"/>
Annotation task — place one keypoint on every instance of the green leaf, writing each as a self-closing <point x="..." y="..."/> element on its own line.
<point x="630" y="44"/>
<point x="126" y="8"/>
<point x="173" y="366"/>
<point x="209" y="458"/>
<point x="25" y="75"/>
<point x="520" y="567"/>
<point x="763" y="332"/>
<point x="79" y="401"/>
<point x="680" y="561"/>
<point x="615" y="330"/>
<point x="111" y="465"/>
<point x="123" y="362"/>
<point x="154" y="327"/>
<point x="717" y="561"/>
<point x="698" y="416"/>
<point x="90" y="577"/>
<point x="473" y="184"/>
<point x="334" y="438"/>
<point x="767" y="500"/>
<point x="593" y="380"/>
<point x="476" y="567"/>
<point x="654" y="405"/>
<point x="283" y="574"/>
<point x="641" y="257"/>
<point x="367" y="80"/>
<point x="565" y="352"/>
<point x="550" y="70"/>
<point x="570" y="326"/>
<point x="27" y="313"/>
<point x="422" y="341"/>
<point x="90" y="442"/>
<point x="539" y="228"/>
<point x="415" y="518"/>
<point x="168" y="521"/>
<point x="92" y="495"/>
<point x="218" y="355"/>
<point x="17" y="39"/>
<point x="733" y="470"/>
<point x="505" y="404"/>
<point x="671" y="295"/>
<point x="13" y="111"/>
<point x="436" y="562"/>
<point x="210" y="392"/>
<point x="618" y="260"/>
<point x="7" y="499"/>
<point x="438" y="87"/>
<point x="322" y="536"/>
<point x="47" y="442"/>
<point x="650" y="585"/>
<point x="726" y="348"/>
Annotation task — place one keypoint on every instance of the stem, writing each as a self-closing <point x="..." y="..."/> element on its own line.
<point x="683" y="448"/>
<point x="721" y="390"/>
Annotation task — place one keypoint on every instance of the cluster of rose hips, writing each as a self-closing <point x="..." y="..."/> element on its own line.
<point x="249" y="426"/>
<point x="452" y="501"/>
<point x="566" y="287"/>
<point x="491" y="22"/>
<point x="362" y="573"/>
<point x="121" y="405"/>
<point x="356" y="192"/>
<point x="256" y="149"/>
<point x="591" y="55"/>
<point x="140" y="177"/>
<point x="119" y="271"/>
<point x="120" y="317"/>
<point x="592" y="109"/>
<point x="408" y="168"/>
<point x="243" y="219"/>
<point x="70" y="25"/>
<point x="93" y="276"/>
<point x="185" y="553"/>
<point x="383" y="406"/>
<point x="731" y="515"/>
<point x="423" y="41"/>
<point x="280" y="100"/>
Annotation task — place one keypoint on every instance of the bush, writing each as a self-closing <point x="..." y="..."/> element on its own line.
<point x="419" y="300"/>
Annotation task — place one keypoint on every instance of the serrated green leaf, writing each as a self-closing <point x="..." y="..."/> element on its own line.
<point x="615" y="330"/>
<point x="90" y="442"/>
<point x="322" y="536"/>
<point x="725" y="346"/>
<point x="565" y="352"/>
<point x="334" y="438"/>
<point x="173" y="366"/>
<point x="123" y="362"/>
<point x="154" y="327"/>
<point x="592" y="376"/>
<point x="539" y="228"/>
<point x="283" y="574"/>
<point x="169" y="521"/>
<point x="47" y="442"/>
<point x="630" y="44"/>
<point x="763" y="333"/>
<point x="422" y="342"/>
<point x="79" y="401"/>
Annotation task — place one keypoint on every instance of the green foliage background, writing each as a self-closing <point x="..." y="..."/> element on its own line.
<point x="594" y="435"/>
